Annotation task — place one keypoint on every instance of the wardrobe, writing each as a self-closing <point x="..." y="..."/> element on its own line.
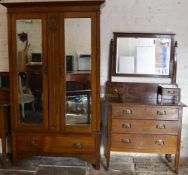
<point x="54" y="57"/>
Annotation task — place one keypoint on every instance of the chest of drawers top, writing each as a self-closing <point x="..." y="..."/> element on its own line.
<point x="137" y="94"/>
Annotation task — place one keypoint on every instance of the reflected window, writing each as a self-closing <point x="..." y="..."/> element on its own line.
<point x="143" y="55"/>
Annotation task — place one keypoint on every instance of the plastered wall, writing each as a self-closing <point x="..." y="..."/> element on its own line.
<point x="162" y="16"/>
<point x="3" y="40"/>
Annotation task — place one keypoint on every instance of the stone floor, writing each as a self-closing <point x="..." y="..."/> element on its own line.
<point x="120" y="164"/>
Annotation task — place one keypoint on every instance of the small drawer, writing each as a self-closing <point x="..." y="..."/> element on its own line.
<point x="171" y="92"/>
<point x="114" y="90"/>
<point x="144" y="126"/>
<point x="144" y="112"/>
<point x="144" y="143"/>
<point x="34" y="143"/>
<point x="55" y="144"/>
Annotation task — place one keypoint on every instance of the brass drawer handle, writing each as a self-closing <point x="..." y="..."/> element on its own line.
<point x="160" y="126"/>
<point x="127" y="111"/>
<point x="126" y="141"/>
<point x="159" y="142"/>
<point x="116" y="90"/>
<point x="126" y="125"/>
<point x="78" y="145"/>
<point x="32" y="143"/>
<point x="161" y="112"/>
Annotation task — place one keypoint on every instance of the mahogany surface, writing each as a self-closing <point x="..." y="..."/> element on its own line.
<point x="137" y="122"/>
<point x="81" y="141"/>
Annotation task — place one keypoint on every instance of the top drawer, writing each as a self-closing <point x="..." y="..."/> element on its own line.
<point x="114" y="90"/>
<point x="144" y="112"/>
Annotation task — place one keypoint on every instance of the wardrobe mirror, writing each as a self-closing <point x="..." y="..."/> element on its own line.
<point x="29" y="70"/>
<point x="139" y="54"/>
<point x="78" y="70"/>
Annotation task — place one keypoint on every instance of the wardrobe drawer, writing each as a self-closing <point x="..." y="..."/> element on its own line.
<point x="70" y="144"/>
<point x="55" y="144"/>
<point x="32" y="143"/>
<point x="144" y="143"/>
<point x="145" y="126"/>
<point x="145" y="112"/>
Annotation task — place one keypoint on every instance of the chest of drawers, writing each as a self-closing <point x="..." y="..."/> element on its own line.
<point x="145" y="128"/>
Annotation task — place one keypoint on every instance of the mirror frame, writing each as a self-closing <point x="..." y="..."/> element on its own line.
<point x="172" y="66"/>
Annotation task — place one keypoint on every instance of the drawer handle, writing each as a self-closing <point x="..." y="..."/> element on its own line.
<point x="126" y="141"/>
<point x="161" y="112"/>
<point x="171" y="92"/>
<point x="126" y="125"/>
<point x="160" y="126"/>
<point x="159" y="142"/>
<point x="32" y="143"/>
<point x="116" y="90"/>
<point x="78" y="145"/>
<point x="127" y="111"/>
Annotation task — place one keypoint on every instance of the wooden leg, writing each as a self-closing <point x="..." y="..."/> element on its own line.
<point x="4" y="152"/>
<point x="97" y="165"/>
<point x="107" y="159"/>
<point x="98" y="153"/>
<point x="177" y="161"/>
<point x="168" y="157"/>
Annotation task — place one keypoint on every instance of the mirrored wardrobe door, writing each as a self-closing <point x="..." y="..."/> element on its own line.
<point x="78" y="71"/>
<point x="31" y="62"/>
<point x="78" y="59"/>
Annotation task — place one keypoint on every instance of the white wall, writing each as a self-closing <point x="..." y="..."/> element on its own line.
<point x="162" y="16"/>
<point x="34" y="32"/>
<point x="134" y="16"/>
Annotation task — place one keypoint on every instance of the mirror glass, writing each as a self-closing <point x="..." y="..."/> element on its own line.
<point x="29" y="70"/>
<point x="144" y="55"/>
<point x="78" y="70"/>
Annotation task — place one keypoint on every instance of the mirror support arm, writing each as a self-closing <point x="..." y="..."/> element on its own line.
<point x="175" y="63"/>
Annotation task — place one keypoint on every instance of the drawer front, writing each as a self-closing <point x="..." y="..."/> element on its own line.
<point x="146" y="143"/>
<point x="32" y="143"/>
<point x="145" y="126"/>
<point x="70" y="144"/>
<point x="145" y="112"/>
<point x="114" y="90"/>
<point x="173" y="92"/>
<point x="55" y="144"/>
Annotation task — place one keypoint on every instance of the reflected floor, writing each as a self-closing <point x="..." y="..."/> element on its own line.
<point x="76" y="119"/>
<point x="32" y="117"/>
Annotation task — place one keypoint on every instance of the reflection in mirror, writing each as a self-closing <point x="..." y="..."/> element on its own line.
<point x="143" y="55"/>
<point x="29" y="62"/>
<point x="78" y="70"/>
